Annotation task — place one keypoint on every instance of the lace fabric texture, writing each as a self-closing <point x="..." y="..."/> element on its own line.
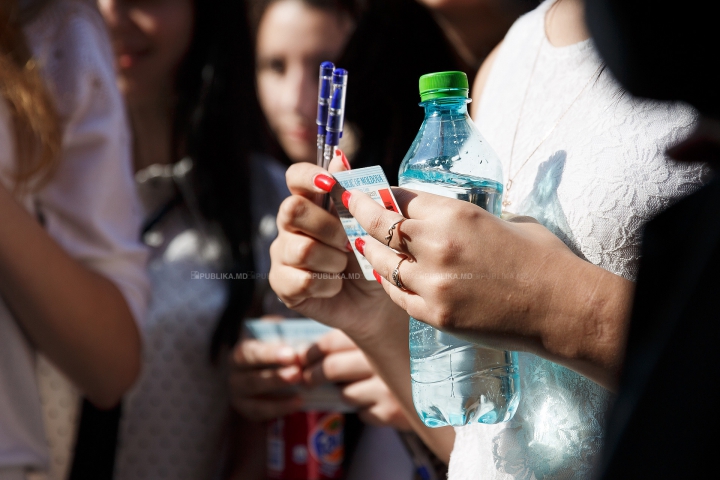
<point x="600" y="174"/>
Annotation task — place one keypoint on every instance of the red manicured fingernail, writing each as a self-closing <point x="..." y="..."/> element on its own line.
<point x="360" y="245"/>
<point x="377" y="277"/>
<point x="324" y="182"/>
<point x="343" y="158"/>
<point x="348" y="246"/>
<point x="346" y="198"/>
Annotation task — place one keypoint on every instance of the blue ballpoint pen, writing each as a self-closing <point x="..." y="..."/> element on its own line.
<point x="336" y="119"/>
<point x="324" y="93"/>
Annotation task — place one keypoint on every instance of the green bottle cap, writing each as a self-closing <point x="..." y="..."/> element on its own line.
<point x="443" y="85"/>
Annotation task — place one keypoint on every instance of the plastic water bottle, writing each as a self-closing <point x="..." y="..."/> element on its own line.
<point x="455" y="382"/>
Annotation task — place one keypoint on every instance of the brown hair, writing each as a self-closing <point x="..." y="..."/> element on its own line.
<point x="35" y="121"/>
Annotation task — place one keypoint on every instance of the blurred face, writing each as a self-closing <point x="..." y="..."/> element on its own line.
<point x="293" y="39"/>
<point x="150" y="39"/>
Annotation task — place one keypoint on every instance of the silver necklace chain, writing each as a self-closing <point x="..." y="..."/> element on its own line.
<point x="509" y="184"/>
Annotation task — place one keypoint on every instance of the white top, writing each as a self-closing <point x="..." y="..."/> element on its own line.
<point x="89" y="207"/>
<point x="174" y="417"/>
<point x="596" y="179"/>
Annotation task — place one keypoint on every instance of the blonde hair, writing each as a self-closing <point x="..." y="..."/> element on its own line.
<point x="36" y="125"/>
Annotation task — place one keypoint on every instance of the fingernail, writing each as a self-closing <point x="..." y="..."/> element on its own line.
<point x="285" y="354"/>
<point x="346" y="198"/>
<point x="377" y="277"/>
<point x="324" y="182"/>
<point x="343" y="158"/>
<point x="348" y="246"/>
<point x="360" y="245"/>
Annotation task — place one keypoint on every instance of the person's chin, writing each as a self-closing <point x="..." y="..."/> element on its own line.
<point x="299" y="151"/>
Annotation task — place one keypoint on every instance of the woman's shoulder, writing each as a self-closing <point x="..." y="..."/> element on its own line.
<point x="69" y="41"/>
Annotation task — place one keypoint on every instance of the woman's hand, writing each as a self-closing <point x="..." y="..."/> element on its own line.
<point x="314" y="273"/>
<point x="313" y="270"/>
<point x="336" y="359"/>
<point x="262" y="379"/>
<point x="510" y="285"/>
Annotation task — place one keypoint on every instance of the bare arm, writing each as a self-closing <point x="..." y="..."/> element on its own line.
<point x="481" y="79"/>
<point x="76" y="317"/>
<point x="527" y="291"/>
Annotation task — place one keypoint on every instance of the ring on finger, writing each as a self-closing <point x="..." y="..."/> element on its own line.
<point x="391" y="231"/>
<point x="396" y="276"/>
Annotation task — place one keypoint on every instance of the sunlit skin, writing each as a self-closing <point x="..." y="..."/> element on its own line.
<point x="150" y="39"/>
<point x="293" y="39"/>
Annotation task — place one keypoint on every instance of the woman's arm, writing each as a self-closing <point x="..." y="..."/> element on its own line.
<point x="76" y="317"/>
<point x="506" y="285"/>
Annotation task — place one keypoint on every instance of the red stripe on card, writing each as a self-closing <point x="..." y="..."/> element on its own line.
<point x="387" y="199"/>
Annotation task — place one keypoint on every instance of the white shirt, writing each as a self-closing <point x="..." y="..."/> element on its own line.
<point x="600" y="174"/>
<point x="89" y="207"/>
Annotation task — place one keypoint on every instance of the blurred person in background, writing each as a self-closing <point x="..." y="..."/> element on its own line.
<point x="565" y="286"/>
<point x="185" y="69"/>
<point x="474" y="27"/>
<point x="72" y="272"/>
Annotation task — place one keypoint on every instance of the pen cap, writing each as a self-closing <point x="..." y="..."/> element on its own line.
<point x="324" y="93"/>
<point x="443" y="85"/>
<point x="336" y="115"/>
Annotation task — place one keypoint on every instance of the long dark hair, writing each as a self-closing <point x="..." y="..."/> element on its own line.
<point x="214" y="125"/>
<point x="395" y="43"/>
<point x="353" y="9"/>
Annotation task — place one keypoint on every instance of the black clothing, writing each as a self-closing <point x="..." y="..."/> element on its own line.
<point x="664" y="423"/>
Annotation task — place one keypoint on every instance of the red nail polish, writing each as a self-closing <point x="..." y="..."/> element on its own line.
<point x="346" y="198"/>
<point x="324" y="182"/>
<point x="345" y="160"/>
<point x="348" y="246"/>
<point x="360" y="245"/>
<point x="377" y="277"/>
<point x="338" y="152"/>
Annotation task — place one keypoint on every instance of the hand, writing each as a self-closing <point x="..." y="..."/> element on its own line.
<point x="336" y="359"/>
<point x="261" y="377"/>
<point x="311" y="244"/>
<point x="510" y="285"/>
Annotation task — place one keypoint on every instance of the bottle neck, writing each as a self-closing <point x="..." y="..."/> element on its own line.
<point x="446" y="106"/>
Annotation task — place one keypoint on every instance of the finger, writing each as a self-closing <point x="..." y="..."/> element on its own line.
<point x="293" y="286"/>
<point x="300" y="215"/>
<point x="339" y="367"/>
<point x="251" y="354"/>
<point x="420" y="205"/>
<point x="385" y="261"/>
<point x="378" y="222"/>
<point x="411" y="302"/>
<point x="364" y="392"/>
<point x="249" y="383"/>
<point x="301" y="251"/>
<point x="334" y="341"/>
<point x="339" y="163"/>
<point x="302" y="179"/>
<point x="261" y="409"/>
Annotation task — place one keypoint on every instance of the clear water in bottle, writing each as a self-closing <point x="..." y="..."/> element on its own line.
<point x="455" y="382"/>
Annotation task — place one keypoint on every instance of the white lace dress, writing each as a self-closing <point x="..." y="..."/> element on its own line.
<point x="596" y="179"/>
